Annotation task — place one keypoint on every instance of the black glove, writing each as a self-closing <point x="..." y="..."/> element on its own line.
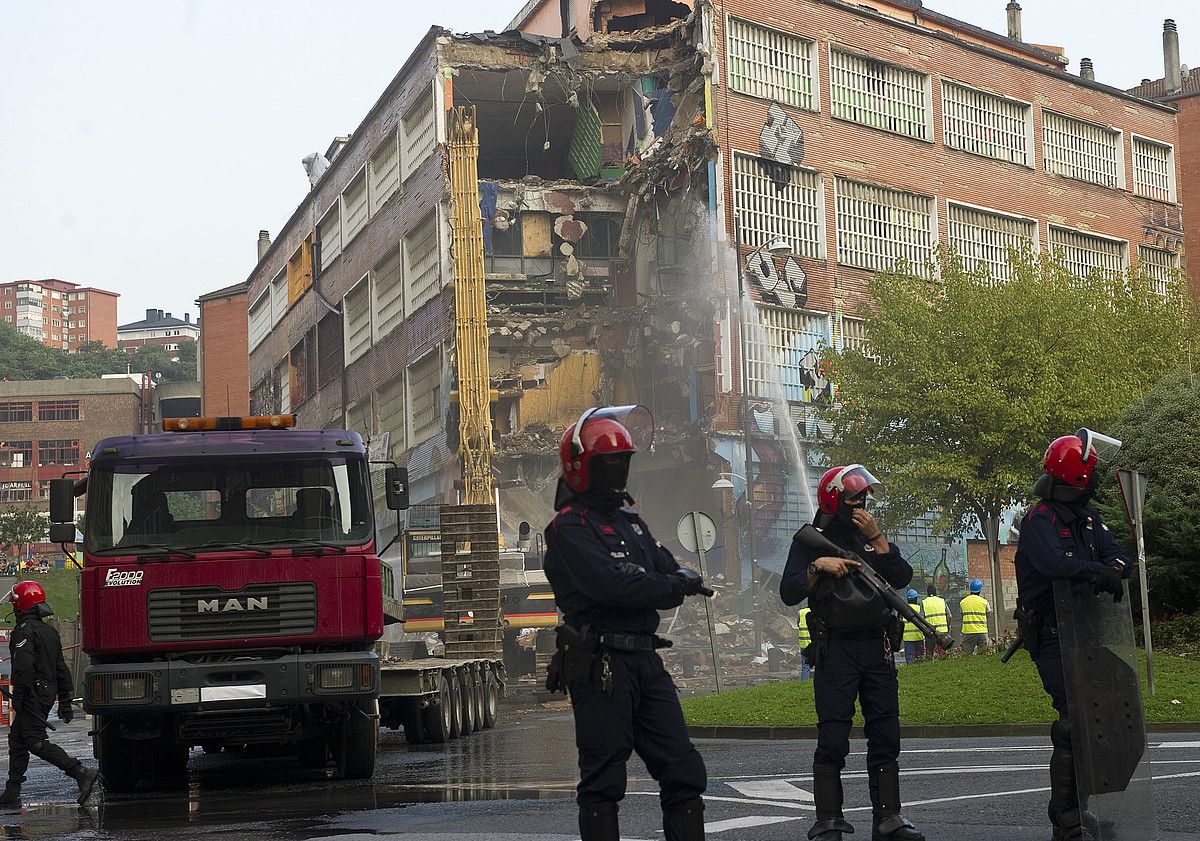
<point x="65" y="711"/>
<point x="693" y="584"/>
<point x="1108" y="580"/>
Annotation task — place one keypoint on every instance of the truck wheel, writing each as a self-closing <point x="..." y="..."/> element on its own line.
<point x="409" y="713"/>
<point x="312" y="753"/>
<point x="437" y="719"/>
<point x="117" y="755"/>
<point x="467" y="693"/>
<point x="359" y="741"/>
<point x="491" y="699"/>
<point x="456" y="706"/>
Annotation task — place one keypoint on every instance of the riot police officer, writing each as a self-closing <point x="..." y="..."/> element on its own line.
<point x="610" y="578"/>
<point x="854" y="639"/>
<point x="1063" y="537"/>
<point x="39" y="675"/>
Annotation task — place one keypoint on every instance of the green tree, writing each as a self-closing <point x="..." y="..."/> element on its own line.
<point x="1159" y="440"/>
<point x="964" y="380"/>
<point x="23" y="525"/>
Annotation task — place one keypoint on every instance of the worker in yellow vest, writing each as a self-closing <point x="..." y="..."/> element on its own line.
<point x="914" y="637"/>
<point x="975" y="610"/>
<point x="805" y="640"/>
<point x="937" y="614"/>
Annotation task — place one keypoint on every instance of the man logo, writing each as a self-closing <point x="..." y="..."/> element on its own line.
<point x="230" y="605"/>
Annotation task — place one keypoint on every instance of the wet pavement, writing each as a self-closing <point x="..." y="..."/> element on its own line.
<point x="516" y="782"/>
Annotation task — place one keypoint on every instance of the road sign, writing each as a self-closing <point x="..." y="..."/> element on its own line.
<point x="1133" y="493"/>
<point x="696" y="529"/>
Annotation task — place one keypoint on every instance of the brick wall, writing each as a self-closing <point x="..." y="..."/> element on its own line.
<point x="223" y="356"/>
<point x="1188" y="153"/>
<point x="101" y="318"/>
<point x="979" y="567"/>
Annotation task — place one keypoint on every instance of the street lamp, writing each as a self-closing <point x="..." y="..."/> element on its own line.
<point x="777" y="247"/>
<point x="723" y="484"/>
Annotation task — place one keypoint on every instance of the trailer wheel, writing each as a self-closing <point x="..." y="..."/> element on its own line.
<point x="117" y="755"/>
<point x="466" y="686"/>
<point x="412" y="720"/>
<point x="491" y="699"/>
<point x="437" y="719"/>
<point x="478" y="682"/>
<point x="359" y="741"/>
<point x="456" y="705"/>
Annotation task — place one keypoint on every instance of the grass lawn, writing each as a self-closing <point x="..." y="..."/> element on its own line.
<point x="959" y="690"/>
<point x="62" y="593"/>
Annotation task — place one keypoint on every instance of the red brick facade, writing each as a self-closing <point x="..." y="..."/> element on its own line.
<point x="60" y="314"/>
<point x="224" y="356"/>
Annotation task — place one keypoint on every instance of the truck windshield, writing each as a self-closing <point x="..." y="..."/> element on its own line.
<point x="190" y="504"/>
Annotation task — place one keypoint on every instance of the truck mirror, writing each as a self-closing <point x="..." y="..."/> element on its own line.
<point x="62" y="532"/>
<point x="523" y="536"/>
<point x="62" y="504"/>
<point x="396" y="482"/>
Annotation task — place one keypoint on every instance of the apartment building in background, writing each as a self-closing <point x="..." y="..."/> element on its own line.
<point x="60" y="314"/>
<point x="158" y="328"/>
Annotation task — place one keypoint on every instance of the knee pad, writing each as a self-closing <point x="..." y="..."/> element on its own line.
<point x="1060" y="733"/>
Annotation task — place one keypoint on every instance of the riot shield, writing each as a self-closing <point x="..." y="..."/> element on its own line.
<point x="1108" y="724"/>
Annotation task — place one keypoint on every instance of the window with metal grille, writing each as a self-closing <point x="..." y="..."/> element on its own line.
<point x="58" y="451"/>
<point x="391" y="414"/>
<point x="385" y="171"/>
<point x="867" y="91"/>
<point x="354" y="206"/>
<point x="16" y="412"/>
<point x="388" y="283"/>
<point x="279" y="296"/>
<point x="782" y="352"/>
<point x="1082" y="150"/>
<point x="357" y="308"/>
<point x="795" y="211"/>
<point x="424" y="397"/>
<point x="985" y="124"/>
<point x="1160" y="266"/>
<point x="422" y="270"/>
<point x="1153" y="169"/>
<point x="329" y="236"/>
<point x="984" y="237"/>
<point x="259" y="319"/>
<point x="772" y="64"/>
<point x="853" y="335"/>
<point x="418" y="136"/>
<point x="1084" y="253"/>
<point x="58" y="410"/>
<point x="878" y="226"/>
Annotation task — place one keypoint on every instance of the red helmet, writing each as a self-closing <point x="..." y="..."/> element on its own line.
<point x="585" y="439"/>
<point x="1068" y="462"/>
<point x="843" y="482"/>
<point x="25" y="594"/>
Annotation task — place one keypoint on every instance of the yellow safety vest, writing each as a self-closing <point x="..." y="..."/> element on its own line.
<point x="911" y="632"/>
<point x="934" y="609"/>
<point x="805" y="634"/>
<point x="974" y="614"/>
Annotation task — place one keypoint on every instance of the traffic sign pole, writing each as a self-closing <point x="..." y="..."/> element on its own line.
<point x="1133" y="492"/>
<point x="698" y="533"/>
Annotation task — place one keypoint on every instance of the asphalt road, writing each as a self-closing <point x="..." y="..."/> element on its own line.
<point x="515" y="783"/>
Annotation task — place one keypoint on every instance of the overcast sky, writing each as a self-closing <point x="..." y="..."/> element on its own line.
<point x="145" y="142"/>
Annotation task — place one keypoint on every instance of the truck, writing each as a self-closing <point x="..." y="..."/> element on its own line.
<point x="232" y="596"/>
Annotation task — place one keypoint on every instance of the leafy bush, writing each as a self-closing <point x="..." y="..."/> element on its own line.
<point x="1180" y="633"/>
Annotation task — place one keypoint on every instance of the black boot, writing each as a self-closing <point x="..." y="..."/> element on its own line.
<point x="1063" y="808"/>
<point x="827" y="797"/>
<point x="11" y="798"/>
<point x="887" y="822"/>
<point x="598" y="822"/>
<point x="86" y="778"/>
<point x="684" y="821"/>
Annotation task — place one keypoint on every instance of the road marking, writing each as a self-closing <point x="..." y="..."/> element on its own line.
<point x="746" y="822"/>
<point x="909" y="804"/>
<point x="1170" y="745"/>
<point x="772" y="790"/>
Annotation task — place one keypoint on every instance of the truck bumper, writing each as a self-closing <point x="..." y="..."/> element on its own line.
<point x="180" y="686"/>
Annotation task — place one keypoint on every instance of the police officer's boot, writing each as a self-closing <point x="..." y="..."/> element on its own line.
<point x="827" y="797"/>
<point x="887" y="822"/>
<point x="11" y="797"/>
<point x="598" y="822"/>
<point x="86" y="777"/>
<point x="684" y="821"/>
<point x="1063" y="808"/>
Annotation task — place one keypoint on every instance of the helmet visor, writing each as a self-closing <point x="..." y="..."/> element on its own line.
<point x="856" y="480"/>
<point x="1105" y="447"/>
<point x="636" y="418"/>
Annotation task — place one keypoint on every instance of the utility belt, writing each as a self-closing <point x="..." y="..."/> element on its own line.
<point x="577" y="651"/>
<point x="816" y="651"/>
<point x="1032" y="627"/>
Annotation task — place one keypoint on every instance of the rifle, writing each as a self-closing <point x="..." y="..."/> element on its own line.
<point x="12" y="703"/>
<point x="812" y="539"/>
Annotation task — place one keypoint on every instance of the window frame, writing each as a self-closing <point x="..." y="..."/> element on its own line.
<point x="934" y="221"/>
<point x="348" y="235"/>
<point x="1173" y="187"/>
<point x="373" y="189"/>
<point x="1050" y="247"/>
<point x="1036" y="238"/>
<point x="1030" y="161"/>
<point x="1119" y="146"/>
<point x="813" y="59"/>
<point x="926" y="102"/>
<point x="821" y="220"/>
<point x="326" y="259"/>
<point x="346" y="333"/>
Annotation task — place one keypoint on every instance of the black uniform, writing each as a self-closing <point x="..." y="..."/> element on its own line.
<point x="1060" y="540"/>
<point x="39" y="677"/>
<point x="610" y="575"/>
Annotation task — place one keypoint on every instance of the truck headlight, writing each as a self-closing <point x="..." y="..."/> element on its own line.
<point x="128" y="687"/>
<point x="336" y="677"/>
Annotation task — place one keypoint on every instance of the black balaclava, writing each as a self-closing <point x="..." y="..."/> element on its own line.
<point x="609" y="478"/>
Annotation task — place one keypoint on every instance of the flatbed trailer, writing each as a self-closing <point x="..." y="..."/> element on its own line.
<point x="438" y="699"/>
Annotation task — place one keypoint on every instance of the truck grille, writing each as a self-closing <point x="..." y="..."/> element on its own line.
<point x="210" y="613"/>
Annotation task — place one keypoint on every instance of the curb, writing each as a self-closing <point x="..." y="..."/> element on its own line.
<point x="915" y="731"/>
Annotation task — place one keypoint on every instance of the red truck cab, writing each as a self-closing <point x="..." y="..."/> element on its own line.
<point x="231" y="596"/>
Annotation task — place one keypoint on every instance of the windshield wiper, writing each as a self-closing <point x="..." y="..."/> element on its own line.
<point x="141" y="549"/>
<point x="284" y="542"/>
<point x="217" y="545"/>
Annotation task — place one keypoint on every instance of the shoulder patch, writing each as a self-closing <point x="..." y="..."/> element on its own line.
<point x="1065" y="533"/>
<point x="22" y="642"/>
